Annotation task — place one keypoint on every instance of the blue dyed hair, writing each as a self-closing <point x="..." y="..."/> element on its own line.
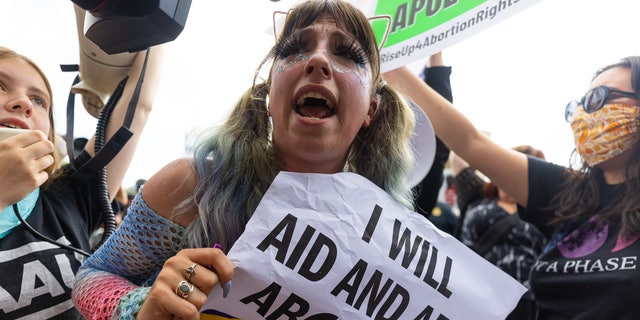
<point x="236" y="163"/>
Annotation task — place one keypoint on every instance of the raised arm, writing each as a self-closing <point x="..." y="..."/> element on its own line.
<point x="505" y="167"/>
<point x="118" y="166"/>
<point x="436" y="75"/>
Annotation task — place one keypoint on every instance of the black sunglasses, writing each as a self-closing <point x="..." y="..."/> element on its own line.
<point x="594" y="99"/>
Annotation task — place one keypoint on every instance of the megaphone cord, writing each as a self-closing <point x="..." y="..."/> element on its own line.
<point x="104" y="204"/>
<point x="43" y="237"/>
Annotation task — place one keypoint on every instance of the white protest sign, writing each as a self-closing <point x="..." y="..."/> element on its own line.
<point x="323" y="246"/>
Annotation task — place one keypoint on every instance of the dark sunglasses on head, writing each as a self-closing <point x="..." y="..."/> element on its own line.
<point x="594" y="100"/>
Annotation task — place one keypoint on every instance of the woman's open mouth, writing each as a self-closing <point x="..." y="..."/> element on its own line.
<point x="314" y="105"/>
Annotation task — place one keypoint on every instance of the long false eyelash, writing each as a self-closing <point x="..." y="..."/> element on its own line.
<point x="296" y="42"/>
<point x="290" y="45"/>
<point x="356" y="52"/>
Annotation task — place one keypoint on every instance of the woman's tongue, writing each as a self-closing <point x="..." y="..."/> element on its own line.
<point x="314" y="111"/>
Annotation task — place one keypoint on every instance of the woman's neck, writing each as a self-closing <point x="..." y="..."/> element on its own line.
<point x="615" y="170"/>
<point x="510" y="207"/>
<point x="316" y="166"/>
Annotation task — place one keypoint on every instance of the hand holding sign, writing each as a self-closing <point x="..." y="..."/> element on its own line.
<point x="338" y="247"/>
<point x="185" y="281"/>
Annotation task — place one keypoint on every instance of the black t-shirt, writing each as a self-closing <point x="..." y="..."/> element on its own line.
<point x="588" y="270"/>
<point x="37" y="276"/>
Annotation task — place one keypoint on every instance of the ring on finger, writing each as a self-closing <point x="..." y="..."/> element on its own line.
<point x="184" y="289"/>
<point x="190" y="271"/>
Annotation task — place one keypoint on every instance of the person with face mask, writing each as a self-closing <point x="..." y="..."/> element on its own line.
<point x="591" y="214"/>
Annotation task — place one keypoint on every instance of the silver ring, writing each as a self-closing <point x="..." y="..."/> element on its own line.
<point x="191" y="271"/>
<point x="184" y="288"/>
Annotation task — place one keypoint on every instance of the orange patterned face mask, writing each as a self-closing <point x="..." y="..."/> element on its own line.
<point x="606" y="133"/>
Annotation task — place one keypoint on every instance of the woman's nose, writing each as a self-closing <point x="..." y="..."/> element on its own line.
<point x="319" y="65"/>
<point x="20" y="103"/>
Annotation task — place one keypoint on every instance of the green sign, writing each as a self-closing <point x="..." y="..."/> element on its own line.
<point x="415" y="17"/>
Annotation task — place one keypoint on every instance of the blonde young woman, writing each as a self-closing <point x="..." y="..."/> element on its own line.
<point x="46" y="195"/>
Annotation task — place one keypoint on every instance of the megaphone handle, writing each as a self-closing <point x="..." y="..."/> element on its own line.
<point x="120" y="138"/>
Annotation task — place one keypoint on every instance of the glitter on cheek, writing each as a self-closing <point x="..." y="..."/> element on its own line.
<point x="359" y="72"/>
<point x="299" y="57"/>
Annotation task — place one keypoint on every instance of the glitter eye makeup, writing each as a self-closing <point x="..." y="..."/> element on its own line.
<point x="344" y="54"/>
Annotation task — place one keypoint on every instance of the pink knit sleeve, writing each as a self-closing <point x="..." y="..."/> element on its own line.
<point x="98" y="294"/>
<point x="113" y="279"/>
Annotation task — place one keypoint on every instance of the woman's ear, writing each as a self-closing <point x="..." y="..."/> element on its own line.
<point x="267" y="104"/>
<point x="373" y="106"/>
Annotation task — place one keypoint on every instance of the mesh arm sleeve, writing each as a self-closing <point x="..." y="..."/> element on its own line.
<point x="130" y="257"/>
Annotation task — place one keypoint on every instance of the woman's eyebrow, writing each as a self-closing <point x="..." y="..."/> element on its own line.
<point x="304" y="32"/>
<point x="4" y="76"/>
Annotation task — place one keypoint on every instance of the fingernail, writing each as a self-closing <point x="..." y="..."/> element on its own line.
<point x="226" y="288"/>
<point x="215" y="246"/>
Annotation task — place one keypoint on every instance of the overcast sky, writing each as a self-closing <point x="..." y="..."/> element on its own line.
<point x="512" y="80"/>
